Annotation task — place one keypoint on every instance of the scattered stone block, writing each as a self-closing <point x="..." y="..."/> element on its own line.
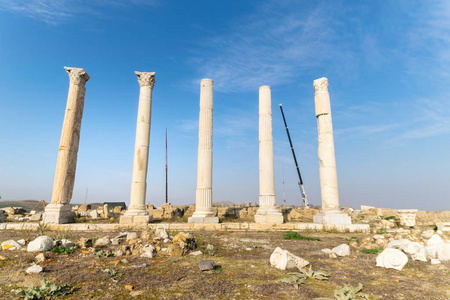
<point x="94" y="214"/>
<point x="408" y="217"/>
<point x="40" y="244"/>
<point x="40" y="258"/>
<point x="435" y="240"/>
<point x="161" y="232"/>
<point x="132" y="236"/>
<point x="84" y="208"/>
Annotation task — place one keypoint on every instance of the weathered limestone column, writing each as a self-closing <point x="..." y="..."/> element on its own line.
<point x="330" y="213"/>
<point x="58" y="211"/>
<point x="136" y="212"/>
<point x="203" y="195"/>
<point x="267" y="211"/>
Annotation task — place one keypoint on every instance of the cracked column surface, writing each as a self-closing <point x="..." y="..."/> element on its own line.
<point x="330" y="212"/>
<point x="58" y="211"/>
<point x="203" y="194"/>
<point x="267" y="211"/>
<point x="136" y="212"/>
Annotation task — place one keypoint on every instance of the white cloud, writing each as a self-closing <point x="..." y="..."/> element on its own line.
<point x="57" y="11"/>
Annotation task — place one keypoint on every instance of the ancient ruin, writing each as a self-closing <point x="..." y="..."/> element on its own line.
<point x="267" y="212"/>
<point x="330" y="212"/>
<point x="136" y="212"/>
<point x="203" y="194"/>
<point x="59" y="211"/>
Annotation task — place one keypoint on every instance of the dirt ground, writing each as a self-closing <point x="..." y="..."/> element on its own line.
<point x="242" y="270"/>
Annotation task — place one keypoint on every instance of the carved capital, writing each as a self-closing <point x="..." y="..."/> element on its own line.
<point x="77" y="75"/>
<point x="146" y="78"/>
<point x="321" y="84"/>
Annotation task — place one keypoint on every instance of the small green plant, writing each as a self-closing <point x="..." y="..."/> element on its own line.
<point x="291" y="235"/>
<point x="371" y="251"/>
<point x="394" y="218"/>
<point x="62" y="250"/>
<point x="298" y="278"/>
<point x="103" y="253"/>
<point x="112" y="272"/>
<point x="47" y="289"/>
<point x="349" y="292"/>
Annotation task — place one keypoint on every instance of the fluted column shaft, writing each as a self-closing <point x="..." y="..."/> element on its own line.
<point x="140" y="162"/>
<point x="203" y="194"/>
<point x="70" y="137"/>
<point x="327" y="161"/>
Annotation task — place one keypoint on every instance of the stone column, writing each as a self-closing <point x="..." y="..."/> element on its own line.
<point x="330" y="213"/>
<point x="136" y="212"/>
<point x="267" y="211"/>
<point x="58" y="211"/>
<point x="203" y="195"/>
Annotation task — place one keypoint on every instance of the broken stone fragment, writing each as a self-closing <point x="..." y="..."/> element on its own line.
<point x="42" y="243"/>
<point x="174" y="250"/>
<point x="206" y="265"/>
<point x="39" y="258"/>
<point x="11" y="245"/>
<point x="67" y="244"/>
<point x="283" y="259"/>
<point x="341" y="250"/>
<point x="102" y="242"/>
<point x="34" y="269"/>
<point x="392" y="258"/>
<point x="412" y="248"/>
<point x="132" y="236"/>
<point x="162" y="233"/>
<point x="435" y="240"/>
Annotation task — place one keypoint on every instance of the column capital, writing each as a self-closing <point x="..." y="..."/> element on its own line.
<point x="77" y="75"/>
<point x="321" y="84"/>
<point x="146" y="78"/>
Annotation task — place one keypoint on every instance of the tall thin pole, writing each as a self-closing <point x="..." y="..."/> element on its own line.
<point x="167" y="184"/>
<point x="300" y="183"/>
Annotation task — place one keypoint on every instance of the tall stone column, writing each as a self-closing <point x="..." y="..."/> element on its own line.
<point x="58" y="211"/>
<point x="267" y="211"/>
<point x="330" y="213"/>
<point x="136" y="212"/>
<point x="203" y="195"/>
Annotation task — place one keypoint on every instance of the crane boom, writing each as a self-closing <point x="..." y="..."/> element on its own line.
<point x="300" y="183"/>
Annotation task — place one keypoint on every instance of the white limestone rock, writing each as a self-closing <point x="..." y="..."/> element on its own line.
<point x="443" y="253"/>
<point x="132" y="236"/>
<point x="94" y="214"/>
<point x="341" y="250"/>
<point x="148" y="251"/>
<point x="283" y="259"/>
<point x="435" y="240"/>
<point x="428" y="234"/>
<point x="412" y="248"/>
<point x="161" y="233"/>
<point x="431" y="252"/>
<point x="392" y="258"/>
<point x="435" y="261"/>
<point x="102" y="242"/>
<point x="40" y="258"/>
<point x="420" y="255"/>
<point x="398" y="244"/>
<point x="65" y="243"/>
<point x="42" y="243"/>
<point x="34" y="269"/>
<point x="11" y="245"/>
<point x="378" y="237"/>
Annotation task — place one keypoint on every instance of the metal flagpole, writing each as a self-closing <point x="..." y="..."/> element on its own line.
<point x="167" y="184"/>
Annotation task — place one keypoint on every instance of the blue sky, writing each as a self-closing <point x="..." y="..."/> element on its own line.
<point x="387" y="63"/>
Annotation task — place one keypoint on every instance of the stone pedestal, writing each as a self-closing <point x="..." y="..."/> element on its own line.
<point x="267" y="212"/>
<point x="203" y="195"/>
<point x="58" y="213"/>
<point x="136" y="212"/>
<point x="66" y="163"/>
<point x="330" y="212"/>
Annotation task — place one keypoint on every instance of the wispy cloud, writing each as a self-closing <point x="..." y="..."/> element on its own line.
<point x="272" y="46"/>
<point x="57" y="11"/>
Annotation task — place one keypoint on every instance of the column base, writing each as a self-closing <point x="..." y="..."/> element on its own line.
<point x="58" y="213"/>
<point x="202" y="219"/>
<point x="131" y="217"/>
<point x="269" y="218"/>
<point x="332" y="218"/>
